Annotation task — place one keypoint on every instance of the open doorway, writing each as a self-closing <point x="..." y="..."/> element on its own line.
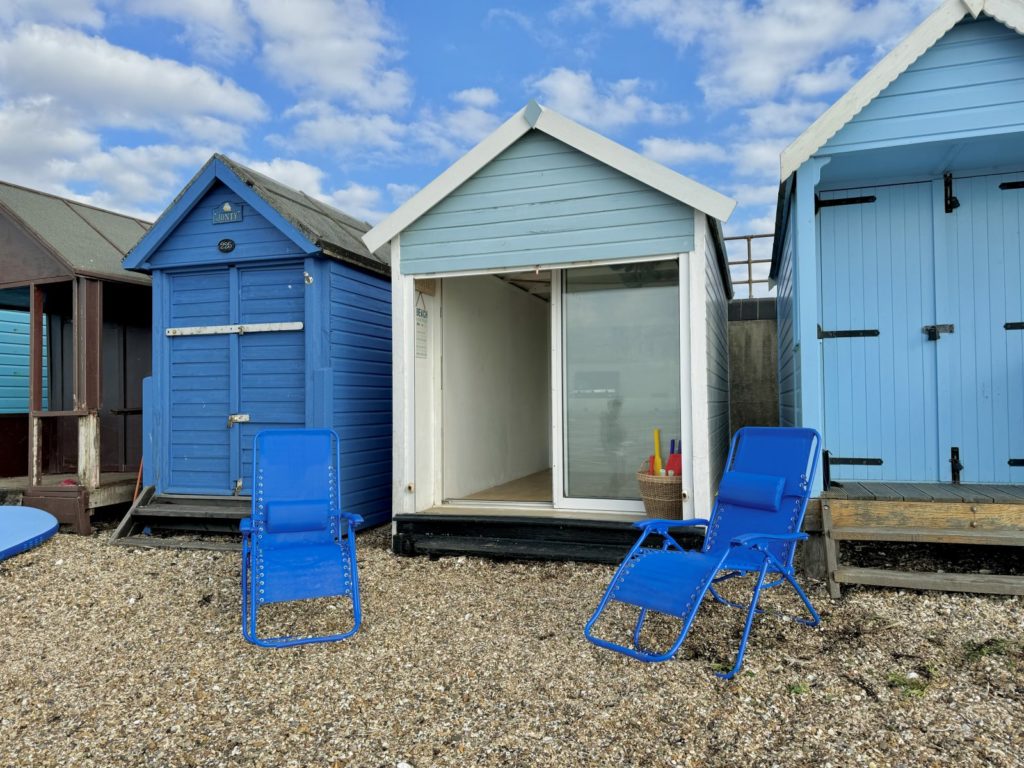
<point x="496" y="388"/>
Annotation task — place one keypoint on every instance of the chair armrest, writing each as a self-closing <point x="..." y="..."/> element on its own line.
<point x="245" y="526"/>
<point x="660" y="525"/>
<point x="352" y="517"/>
<point x="748" y="539"/>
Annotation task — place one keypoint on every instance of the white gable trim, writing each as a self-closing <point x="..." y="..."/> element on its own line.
<point x="895" y="63"/>
<point x="532" y="116"/>
<point x="644" y="170"/>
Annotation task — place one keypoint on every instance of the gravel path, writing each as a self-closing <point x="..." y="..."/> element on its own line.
<point x="120" y="657"/>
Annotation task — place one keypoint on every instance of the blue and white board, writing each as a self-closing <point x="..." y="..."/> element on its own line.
<point x="22" y="528"/>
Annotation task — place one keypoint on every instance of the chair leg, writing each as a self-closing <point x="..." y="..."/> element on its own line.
<point x="746" y="627"/>
<point x="815" y="618"/>
<point x="639" y="626"/>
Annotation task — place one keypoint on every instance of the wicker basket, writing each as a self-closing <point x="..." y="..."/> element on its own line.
<point x="662" y="494"/>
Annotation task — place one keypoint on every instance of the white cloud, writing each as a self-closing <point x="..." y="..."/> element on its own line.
<point x="681" y="151"/>
<point x="359" y="201"/>
<point x="775" y="119"/>
<point x="432" y="134"/>
<point x="293" y="173"/>
<point x="756" y="194"/>
<point x="603" y="106"/>
<point x="836" y="75"/>
<point x="106" y="85"/>
<point x="758" y="157"/>
<point x="756" y="51"/>
<point x="476" y="97"/>
<point x="217" y="30"/>
<point x="333" y="49"/>
<point x="401" y="192"/>
<point x="449" y="133"/>
<point x="85" y="13"/>
<point x="539" y="33"/>
<point x="138" y="180"/>
<point x="320" y="125"/>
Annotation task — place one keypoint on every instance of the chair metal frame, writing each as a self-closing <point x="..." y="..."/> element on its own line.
<point x="781" y="569"/>
<point x="341" y="530"/>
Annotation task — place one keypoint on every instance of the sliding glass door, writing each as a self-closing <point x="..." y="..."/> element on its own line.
<point x="619" y="361"/>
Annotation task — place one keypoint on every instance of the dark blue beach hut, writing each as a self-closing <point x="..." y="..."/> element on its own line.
<point x="268" y="312"/>
<point x="899" y="263"/>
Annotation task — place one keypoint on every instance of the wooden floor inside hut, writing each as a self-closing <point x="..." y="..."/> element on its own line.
<point x="977" y="493"/>
<point x="535" y="488"/>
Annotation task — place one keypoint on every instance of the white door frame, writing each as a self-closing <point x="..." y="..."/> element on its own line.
<point x="558" y="457"/>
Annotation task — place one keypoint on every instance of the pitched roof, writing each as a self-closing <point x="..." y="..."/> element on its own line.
<point x="86" y="240"/>
<point x="943" y="19"/>
<point x="313" y="225"/>
<point x="535" y="117"/>
<point x="337" y="233"/>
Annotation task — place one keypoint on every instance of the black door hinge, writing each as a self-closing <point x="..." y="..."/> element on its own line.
<point x="819" y="203"/>
<point x="855" y="461"/>
<point x="853" y="334"/>
<point x="947" y="184"/>
<point x="954" y="463"/>
<point x="1012" y="185"/>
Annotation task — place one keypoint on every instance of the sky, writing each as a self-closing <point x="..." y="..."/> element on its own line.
<point x="362" y="102"/>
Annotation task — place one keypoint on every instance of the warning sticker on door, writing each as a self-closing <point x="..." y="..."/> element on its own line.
<point x="421" y="332"/>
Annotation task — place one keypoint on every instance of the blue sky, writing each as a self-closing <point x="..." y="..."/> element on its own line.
<point x="361" y="102"/>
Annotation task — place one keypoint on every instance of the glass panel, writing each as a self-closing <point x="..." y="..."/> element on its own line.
<point x="621" y="353"/>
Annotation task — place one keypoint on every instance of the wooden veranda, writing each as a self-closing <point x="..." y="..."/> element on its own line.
<point x="915" y="513"/>
<point x="89" y="349"/>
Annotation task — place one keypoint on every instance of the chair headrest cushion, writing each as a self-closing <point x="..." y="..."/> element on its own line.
<point x="746" y="489"/>
<point x="294" y="516"/>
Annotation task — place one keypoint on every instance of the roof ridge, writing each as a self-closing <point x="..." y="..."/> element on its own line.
<point x="71" y="201"/>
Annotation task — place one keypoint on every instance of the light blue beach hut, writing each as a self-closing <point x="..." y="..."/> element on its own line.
<point x="898" y="261"/>
<point x="556" y="297"/>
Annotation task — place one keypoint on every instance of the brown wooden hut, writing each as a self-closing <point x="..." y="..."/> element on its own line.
<point x="79" y="445"/>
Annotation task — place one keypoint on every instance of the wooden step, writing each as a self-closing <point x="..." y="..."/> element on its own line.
<point x="171" y="542"/>
<point x="158" y="509"/>
<point x="983" y="583"/>
<point x="930" y="535"/>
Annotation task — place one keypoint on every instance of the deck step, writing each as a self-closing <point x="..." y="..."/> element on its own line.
<point x="155" y="542"/>
<point x="182" y="522"/>
<point x="187" y="510"/>
<point x="993" y="584"/>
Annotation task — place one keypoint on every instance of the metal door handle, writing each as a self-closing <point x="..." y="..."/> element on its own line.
<point x="935" y="331"/>
<point x="237" y="418"/>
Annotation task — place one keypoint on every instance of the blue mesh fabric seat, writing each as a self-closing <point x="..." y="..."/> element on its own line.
<point x="297" y="544"/>
<point x="753" y="529"/>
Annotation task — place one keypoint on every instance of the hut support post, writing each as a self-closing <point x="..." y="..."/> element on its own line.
<point x="403" y="331"/>
<point x="35" y="384"/>
<point x="88" y="337"/>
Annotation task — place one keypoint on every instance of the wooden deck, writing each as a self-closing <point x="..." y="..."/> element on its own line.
<point x="929" y="492"/>
<point x="916" y="513"/>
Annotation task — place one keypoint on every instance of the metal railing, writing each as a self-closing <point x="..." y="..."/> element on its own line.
<point x="751" y="282"/>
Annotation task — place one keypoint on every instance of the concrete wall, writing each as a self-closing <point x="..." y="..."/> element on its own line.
<point x="753" y="354"/>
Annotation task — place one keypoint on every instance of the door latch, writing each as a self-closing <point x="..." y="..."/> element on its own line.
<point x="237" y="418"/>
<point x="935" y="331"/>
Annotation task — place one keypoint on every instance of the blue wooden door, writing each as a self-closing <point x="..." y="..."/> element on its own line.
<point x="199" y="376"/>
<point x="980" y="292"/>
<point x="227" y="382"/>
<point x="878" y="369"/>
<point x="271" y="364"/>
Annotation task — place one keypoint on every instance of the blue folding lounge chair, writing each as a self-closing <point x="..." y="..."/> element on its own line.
<point x="297" y="544"/>
<point x="754" y="528"/>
